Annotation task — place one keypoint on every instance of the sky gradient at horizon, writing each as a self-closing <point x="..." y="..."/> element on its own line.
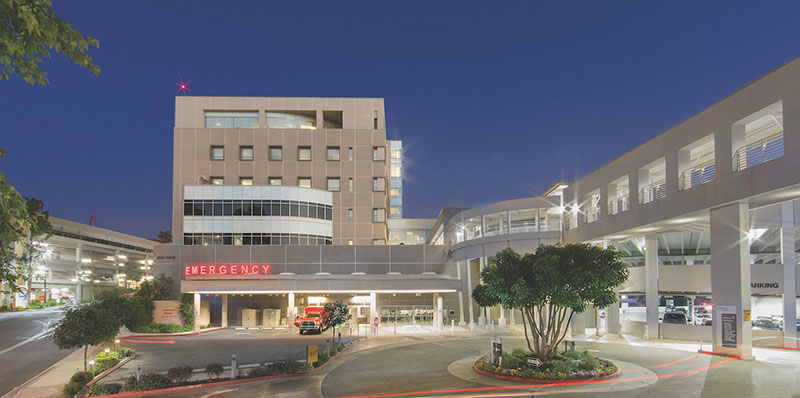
<point x="493" y="101"/>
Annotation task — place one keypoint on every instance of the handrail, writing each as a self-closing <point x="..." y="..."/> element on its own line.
<point x="620" y="203"/>
<point x="592" y="214"/>
<point x="697" y="175"/>
<point x="653" y="191"/>
<point x="758" y="152"/>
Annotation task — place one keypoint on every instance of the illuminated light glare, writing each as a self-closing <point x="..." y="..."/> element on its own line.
<point x="86" y="260"/>
<point x="183" y="86"/>
<point x="317" y="300"/>
<point x="122" y="257"/>
<point x="753" y="234"/>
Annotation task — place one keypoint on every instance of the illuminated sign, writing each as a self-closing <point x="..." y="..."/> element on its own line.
<point x="226" y="269"/>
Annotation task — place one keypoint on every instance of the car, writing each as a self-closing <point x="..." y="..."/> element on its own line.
<point x="766" y="323"/>
<point x="702" y="320"/>
<point x="676" y="317"/>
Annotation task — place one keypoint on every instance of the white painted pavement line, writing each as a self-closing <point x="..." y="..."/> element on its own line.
<point x="211" y="394"/>
<point x="41" y="334"/>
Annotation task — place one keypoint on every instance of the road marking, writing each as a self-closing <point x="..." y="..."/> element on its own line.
<point x="211" y="394"/>
<point x="44" y="333"/>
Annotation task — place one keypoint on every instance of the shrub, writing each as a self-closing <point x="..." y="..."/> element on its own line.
<point x="511" y="361"/>
<point x="71" y="388"/>
<point x="574" y="354"/>
<point x="51" y="303"/>
<point x="588" y="363"/>
<point x="162" y="328"/>
<point x="258" y="371"/>
<point x="333" y="350"/>
<point x="82" y="377"/>
<point x="35" y="304"/>
<point x="104" y="363"/>
<point x="148" y="381"/>
<point x="562" y="366"/>
<point x="321" y="359"/>
<point x="179" y="374"/>
<point x="103" y="389"/>
<point x="213" y="370"/>
<point x="125" y="352"/>
<point x="186" y="308"/>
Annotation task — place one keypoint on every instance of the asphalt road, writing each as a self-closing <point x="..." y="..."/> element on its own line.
<point x="421" y="366"/>
<point x="25" y="347"/>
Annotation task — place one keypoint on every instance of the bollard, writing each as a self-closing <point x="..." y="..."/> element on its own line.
<point x="91" y="365"/>
<point x="327" y="346"/>
<point x="472" y="326"/>
<point x="340" y="337"/>
<point x="233" y="366"/>
<point x="395" y="327"/>
<point x="138" y="371"/>
<point x="351" y="335"/>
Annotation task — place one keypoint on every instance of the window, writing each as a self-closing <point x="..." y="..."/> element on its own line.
<point x="235" y="120"/>
<point x="304" y="153"/>
<point x="349" y="153"/>
<point x="275" y="153"/>
<point x="292" y="120"/>
<point x="217" y="181"/>
<point x="378" y="153"/>
<point x="394" y="192"/>
<point x="275" y="181"/>
<point x="217" y="152"/>
<point x="394" y="211"/>
<point x="245" y="180"/>
<point x="304" y="182"/>
<point x="396" y="171"/>
<point x="350" y="242"/>
<point x="378" y="215"/>
<point x="332" y="119"/>
<point x="349" y="215"/>
<point x="333" y="153"/>
<point x="375" y="120"/>
<point x="378" y="184"/>
<point x="397" y="154"/>
<point x="350" y="184"/>
<point x="333" y="184"/>
<point x="245" y="153"/>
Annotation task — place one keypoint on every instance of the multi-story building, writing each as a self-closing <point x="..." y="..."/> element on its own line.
<point x="236" y="155"/>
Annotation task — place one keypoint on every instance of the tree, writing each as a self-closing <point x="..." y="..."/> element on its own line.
<point x="335" y="314"/>
<point x="164" y="237"/>
<point x="157" y="289"/>
<point x="130" y="313"/>
<point x="30" y="29"/>
<point x="21" y="220"/>
<point x="84" y="326"/>
<point x="550" y="286"/>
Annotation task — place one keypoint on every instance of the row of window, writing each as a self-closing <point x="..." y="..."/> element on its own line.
<point x="284" y="208"/>
<point x="305" y="120"/>
<point x="334" y="183"/>
<point x="303" y="153"/>
<point x="254" y="239"/>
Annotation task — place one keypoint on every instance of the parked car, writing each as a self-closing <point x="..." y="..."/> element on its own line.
<point x="702" y="320"/>
<point x="766" y="323"/>
<point x="676" y="317"/>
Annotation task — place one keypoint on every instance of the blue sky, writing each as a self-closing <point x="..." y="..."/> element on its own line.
<point x="494" y="100"/>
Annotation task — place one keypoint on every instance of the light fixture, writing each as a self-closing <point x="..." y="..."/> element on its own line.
<point x="86" y="260"/>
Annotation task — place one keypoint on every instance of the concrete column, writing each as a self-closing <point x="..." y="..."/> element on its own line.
<point x="224" y="322"/>
<point x="789" y="270"/>
<point x="290" y="312"/>
<point x="578" y="324"/>
<point x="513" y="321"/>
<point x="439" y="311"/>
<point x="460" y="295"/>
<point x="483" y="314"/>
<point x="373" y="311"/>
<point x="612" y="318"/>
<point x="730" y="276"/>
<point x="196" y="312"/>
<point x="469" y="293"/>
<point x="651" y="284"/>
<point x="502" y="320"/>
<point x="79" y="288"/>
<point x="508" y="222"/>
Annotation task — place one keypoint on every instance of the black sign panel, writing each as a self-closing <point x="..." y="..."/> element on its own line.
<point x="729" y="330"/>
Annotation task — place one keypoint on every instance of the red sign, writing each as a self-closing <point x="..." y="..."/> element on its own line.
<point x="127" y="294"/>
<point x="376" y="321"/>
<point x="41" y="298"/>
<point x="226" y="269"/>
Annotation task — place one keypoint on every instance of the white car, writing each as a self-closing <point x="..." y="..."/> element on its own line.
<point x="702" y="319"/>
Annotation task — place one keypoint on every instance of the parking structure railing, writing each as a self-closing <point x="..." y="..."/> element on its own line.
<point x="758" y="152"/>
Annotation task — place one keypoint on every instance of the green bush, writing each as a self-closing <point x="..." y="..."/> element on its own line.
<point x="148" y="381"/>
<point x="511" y="361"/>
<point x="280" y="368"/>
<point x="562" y="366"/>
<point x="258" y="371"/>
<point x="82" y="377"/>
<point x="104" y="363"/>
<point x="125" y="352"/>
<point x="186" y="308"/>
<point x="51" y="303"/>
<point x="588" y="363"/>
<point x="333" y="350"/>
<point x="103" y="389"/>
<point x="321" y="359"/>
<point x="162" y="328"/>
<point x="71" y="388"/>
<point x="573" y="354"/>
<point x="35" y="304"/>
<point x="213" y="370"/>
<point x="179" y="374"/>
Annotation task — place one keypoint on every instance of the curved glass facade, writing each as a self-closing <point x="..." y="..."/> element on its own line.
<point x="508" y="222"/>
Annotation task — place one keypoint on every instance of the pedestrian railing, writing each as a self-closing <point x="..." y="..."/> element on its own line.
<point x="758" y="152"/>
<point x="697" y="175"/>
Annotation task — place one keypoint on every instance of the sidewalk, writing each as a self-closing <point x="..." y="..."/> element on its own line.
<point x="50" y="382"/>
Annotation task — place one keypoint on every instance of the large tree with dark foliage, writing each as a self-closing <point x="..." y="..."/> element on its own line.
<point x="550" y="286"/>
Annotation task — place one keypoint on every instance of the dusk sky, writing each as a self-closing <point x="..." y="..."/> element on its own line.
<point x="493" y="100"/>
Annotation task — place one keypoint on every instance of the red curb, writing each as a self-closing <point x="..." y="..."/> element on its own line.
<point x="173" y="334"/>
<point x="219" y="383"/>
<point x="545" y="381"/>
<point x="722" y="354"/>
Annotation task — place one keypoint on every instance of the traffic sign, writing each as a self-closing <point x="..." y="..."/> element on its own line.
<point x="533" y="361"/>
<point x="376" y="321"/>
<point x="127" y="294"/>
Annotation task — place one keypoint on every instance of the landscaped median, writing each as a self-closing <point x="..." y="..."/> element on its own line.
<point x="179" y="378"/>
<point x="565" y="366"/>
